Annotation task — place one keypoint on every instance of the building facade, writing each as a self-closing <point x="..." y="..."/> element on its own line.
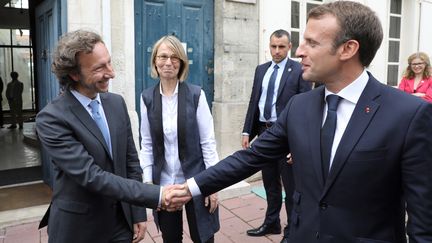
<point x="225" y="41"/>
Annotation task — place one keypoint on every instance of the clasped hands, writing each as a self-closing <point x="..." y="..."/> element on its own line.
<point x="175" y="196"/>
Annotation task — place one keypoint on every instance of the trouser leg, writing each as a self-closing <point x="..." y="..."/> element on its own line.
<point x="273" y="187"/>
<point x="171" y="226"/>
<point x="288" y="184"/>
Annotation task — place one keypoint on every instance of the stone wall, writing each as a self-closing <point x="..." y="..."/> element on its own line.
<point x="236" y="56"/>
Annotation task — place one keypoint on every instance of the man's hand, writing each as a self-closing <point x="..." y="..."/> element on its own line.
<point x="211" y="200"/>
<point x="245" y="141"/>
<point x="139" y="231"/>
<point x="175" y="196"/>
<point x="166" y="190"/>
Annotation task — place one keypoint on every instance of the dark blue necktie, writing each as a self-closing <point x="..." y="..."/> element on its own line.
<point x="327" y="132"/>
<point x="270" y="92"/>
<point x="94" y="105"/>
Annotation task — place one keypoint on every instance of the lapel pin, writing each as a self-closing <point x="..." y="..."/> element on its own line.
<point x="289" y="69"/>
<point x="367" y="109"/>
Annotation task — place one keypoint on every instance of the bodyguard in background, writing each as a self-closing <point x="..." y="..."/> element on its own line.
<point x="275" y="82"/>
<point x="1" y="101"/>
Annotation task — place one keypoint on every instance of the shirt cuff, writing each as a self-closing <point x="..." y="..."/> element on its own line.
<point x="193" y="187"/>
<point x="148" y="174"/>
<point x="245" y="134"/>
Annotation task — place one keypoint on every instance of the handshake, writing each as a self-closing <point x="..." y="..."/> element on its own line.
<point x="175" y="196"/>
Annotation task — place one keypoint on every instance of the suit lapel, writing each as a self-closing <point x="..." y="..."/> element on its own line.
<point x="111" y="121"/>
<point x="261" y="74"/>
<point x="364" y="111"/>
<point x="284" y="79"/>
<point x="314" y="118"/>
<point x="81" y="113"/>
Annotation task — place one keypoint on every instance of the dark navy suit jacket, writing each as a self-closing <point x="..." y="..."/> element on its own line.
<point x="382" y="165"/>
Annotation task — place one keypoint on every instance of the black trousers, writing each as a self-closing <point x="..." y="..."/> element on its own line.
<point x="16" y="112"/>
<point x="271" y="176"/>
<point x="171" y="225"/>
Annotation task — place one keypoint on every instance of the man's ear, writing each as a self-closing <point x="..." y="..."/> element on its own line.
<point x="74" y="76"/>
<point x="349" y="49"/>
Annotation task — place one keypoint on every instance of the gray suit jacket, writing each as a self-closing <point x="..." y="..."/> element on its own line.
<point x="88" y="183"/>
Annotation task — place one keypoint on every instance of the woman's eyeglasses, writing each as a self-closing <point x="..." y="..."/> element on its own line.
<point x="417" y="64"/>
<point x="164" y="58"/>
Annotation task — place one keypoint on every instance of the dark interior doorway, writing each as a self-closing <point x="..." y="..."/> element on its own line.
<point x="19" y="153"/>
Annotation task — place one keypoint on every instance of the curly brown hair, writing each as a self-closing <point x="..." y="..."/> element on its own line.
<point x="65" y="57"/>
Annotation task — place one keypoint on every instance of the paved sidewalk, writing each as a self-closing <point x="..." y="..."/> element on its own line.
<point x="236" y="216"/>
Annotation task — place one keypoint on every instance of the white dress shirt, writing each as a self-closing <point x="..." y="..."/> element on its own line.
<point x="172" y="172"/>
<point x="350" y="95"/>
<point x="264" y="87"/>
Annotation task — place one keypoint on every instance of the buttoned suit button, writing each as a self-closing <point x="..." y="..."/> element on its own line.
<point x="323" y="206"/>
<point x="317" y="235"/>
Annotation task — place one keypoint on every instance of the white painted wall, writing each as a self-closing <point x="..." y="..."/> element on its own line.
<point x="274" y="15"/>
<point x="425" y="33"/>
<point x="378" y="67"/>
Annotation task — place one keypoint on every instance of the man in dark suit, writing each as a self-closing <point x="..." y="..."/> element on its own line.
<point x="1" y="101"/>
<point x="14" y="92"/>
<point x="98" y="194"/>
<point x="357" y="185"/>
<point x="276" y="82"/>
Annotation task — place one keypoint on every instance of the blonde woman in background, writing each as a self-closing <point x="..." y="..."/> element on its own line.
<point x="417" y="78"/>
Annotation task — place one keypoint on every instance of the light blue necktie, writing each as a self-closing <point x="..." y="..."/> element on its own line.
<point x="270" y="92"/>
<point x="94" y="105"/>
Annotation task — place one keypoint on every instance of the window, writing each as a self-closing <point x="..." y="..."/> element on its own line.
<point x="295" y="26"/>
<point x="16" y="54"/>
<point x="299" y="10"/>
<point x="394" y="42"/>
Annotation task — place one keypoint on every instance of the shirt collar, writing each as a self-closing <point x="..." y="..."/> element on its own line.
<point x="175" y="91"/>
<point x="353" y="91"/>
<point x="84" y="100"/>
<point x="281" y="65"/>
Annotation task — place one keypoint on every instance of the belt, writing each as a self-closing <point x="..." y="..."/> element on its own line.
<point x="266" y="124"/>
